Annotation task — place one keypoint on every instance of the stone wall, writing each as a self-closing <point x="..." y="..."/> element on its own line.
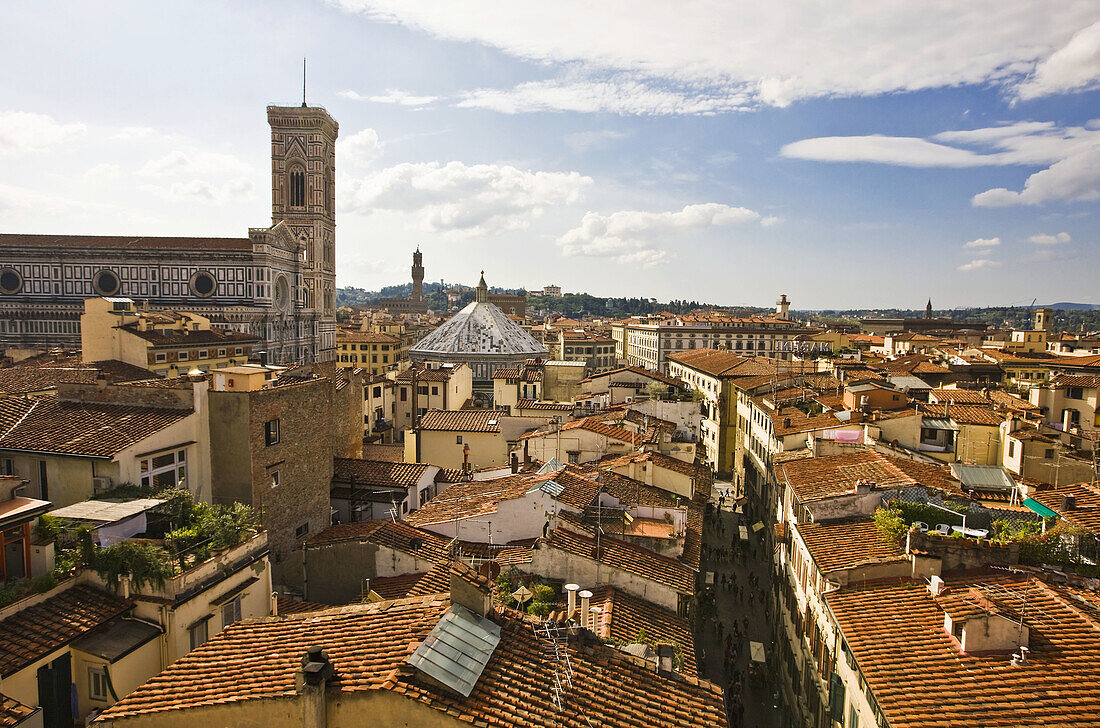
<point x="963" y="553"/>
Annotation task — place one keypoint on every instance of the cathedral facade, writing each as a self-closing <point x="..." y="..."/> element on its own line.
<point x="278" y="283"/>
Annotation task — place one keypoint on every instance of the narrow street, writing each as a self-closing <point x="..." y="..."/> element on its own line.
<point x="733" y="614"/>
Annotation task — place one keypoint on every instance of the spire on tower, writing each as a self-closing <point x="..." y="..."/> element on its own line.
<point x="303" y="82"/>
<point x="928" y="309"/>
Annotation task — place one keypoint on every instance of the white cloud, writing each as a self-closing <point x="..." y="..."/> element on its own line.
<point x="1046" y="239"/>
<point x="1075" y="178"/>
<point x="978" y="264"/>
<point x="635" y="236"/>
<point x="582" y="141"/>
<point x="103" y="172"/>
<point x="22" y="132"/>
<point x="463" y="201"/>
<point x="168" y="164"/>
<point x="200" y="190"/>
<point x="202" y="163"/>
<point x="1073" y="67"/>
<point x="771" y="53"/>
<point x="360" y="149"/>
<point x="392" y="96"/>
<point x="624" y="94"/>
<point x="983" y="243"/>
<point x="904" y="151"/>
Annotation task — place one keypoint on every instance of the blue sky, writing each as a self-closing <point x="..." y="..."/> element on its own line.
<point x="868" y="154"/>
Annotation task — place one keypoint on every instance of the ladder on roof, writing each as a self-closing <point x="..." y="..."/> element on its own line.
<point x="555" y="651"/>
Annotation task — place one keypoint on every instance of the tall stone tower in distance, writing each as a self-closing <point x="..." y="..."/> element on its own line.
<point x="418" y="276"/>
<point x="303" y="197"/>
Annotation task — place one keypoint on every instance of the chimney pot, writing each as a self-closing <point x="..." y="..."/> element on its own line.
<point x="1069" y="502"/>
<point x="571" y="598"/>
<point x="585" y="597"/>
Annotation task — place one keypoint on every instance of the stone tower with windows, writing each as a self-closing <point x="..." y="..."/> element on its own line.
<point x="303" y="199"/>
<point x="418" y="276"/>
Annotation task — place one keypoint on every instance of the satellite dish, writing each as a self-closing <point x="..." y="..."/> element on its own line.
<point x="490" y="570"/>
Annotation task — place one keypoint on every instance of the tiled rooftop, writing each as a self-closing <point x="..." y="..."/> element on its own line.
<point x="42" y="374"/>
<point x="377" y="472"/>
<point x="837" y="545"/>
<point x="835" y="475"/>
<point x="624" y="617"/>
<point x="724" y="363"/>
<point x="625" y="557"/>
<point x="77" y="428"/>
<point x="368" y="645"/>
<point x="964" y="414"/>
<point x="895" y="632"/>
<point x="35" y="632"/>
<point x="1086" y="510"/>
<point x="398" y="535"/>
<point x="12" y="712"/>
<point x="462" y="420"/>
<point x="123" y="242"/>
<point x="211" y="337"/>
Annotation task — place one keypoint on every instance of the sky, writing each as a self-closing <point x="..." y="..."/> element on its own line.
<point x="851" y="154"/>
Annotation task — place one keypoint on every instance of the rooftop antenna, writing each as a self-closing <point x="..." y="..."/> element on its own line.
<point x="303" y="82"/>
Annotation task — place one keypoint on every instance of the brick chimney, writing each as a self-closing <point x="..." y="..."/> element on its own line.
<point x="470" y="589"/>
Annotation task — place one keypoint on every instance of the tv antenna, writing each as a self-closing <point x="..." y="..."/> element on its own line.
<point x="303" y="82"/>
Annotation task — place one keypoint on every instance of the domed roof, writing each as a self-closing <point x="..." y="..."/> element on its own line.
<point x="480" y="328"/>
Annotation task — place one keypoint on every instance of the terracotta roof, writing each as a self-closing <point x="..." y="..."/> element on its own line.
<point x="661" y="461"/>
<point x="658" y="376"/>
<point x="297" y="606"/>
<point x="364" y="337"/>
<point x="124" y="242"/>
<point x="895" y="632"/>
<point x="837" y="545"/>
<point x="958" y="396"/>
<point x="474" y="498"/>
<point x="724" y="363"/>
<point x="78" y="428"/>
<point x="624" y="617"/>
<point x="377" y="472"/>
<point x="927" y="474"/>
<point x="534" y="404"/>
<point x="12" y="711"/>
<point x="203" y="337"/>
<point x="790" y="420"/>
<point x="368" y="645"/>
<point x="594" y="424"/>
<point x="964" y="414"/>
<point x="1076" y="380"/>
<point x="33" y="633"/>
<point x="462" y="420"/>
<point x="831" y="476"/>
<point x="44" y="375"/>
<point x="1086" y="510"/>
<point x="398" y="536"/>
<point x="625" y="557"/>
<point x="634" y="492"/>
<point x="440" y="374"/>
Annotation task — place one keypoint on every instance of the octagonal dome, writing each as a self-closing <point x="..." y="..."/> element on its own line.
<point x="479" y="329"/>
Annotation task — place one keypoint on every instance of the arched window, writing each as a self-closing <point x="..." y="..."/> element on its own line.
<point x="297" y="188"/>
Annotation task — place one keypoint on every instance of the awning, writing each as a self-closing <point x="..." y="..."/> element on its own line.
<point x="1039" y="508"/>
<point x="937" y="423"/>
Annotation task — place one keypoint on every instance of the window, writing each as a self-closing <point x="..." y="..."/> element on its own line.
<point x="161" y="356"/>
<point x="458" y="439"/>
<point x="297" y="188"/>
<point x="404" y="394"/>
<point x="238" y="350"/>
<point x="1075" y="393"/>
<point x="302" y="530"/>
<point x="231" y="612"/>
<point x="203" y="284"/>
<point x="276" y="478"/>
<point x="1012" y="448"/>
<point x="422" y="390"/>
<point x="1049" y="454"/>
<point x="271" y="432"/>
<point x="197" y="634"/>
<point x="7" y="467"/>
<point x="221" y="352"/>
<point x="98" y="689"/>
<point x="203" y="354"/>
<point x="165" y="470"/>
<point x="106" y="283"/>
<point x="377" y="392"/>
<point x="435" y="390"/>
<point x="11" y="281"/>
<point x="182" y="356"/>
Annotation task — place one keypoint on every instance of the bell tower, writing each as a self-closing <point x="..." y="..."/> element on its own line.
<point x="418" y="276"/>
<point x="303" y="197"/>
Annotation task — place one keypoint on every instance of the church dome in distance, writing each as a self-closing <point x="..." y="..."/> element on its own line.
<point x="480" y="328"/>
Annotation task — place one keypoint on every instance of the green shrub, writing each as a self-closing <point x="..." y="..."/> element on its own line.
<point x="48" y="527"/>
<point x="45" y="582"/>
<point x="544" y="593"/>
<point x="8" y="596"/>
<point x="146" y="563"/>
<point x="540" y="609"/>
<point x="891" y="524"/>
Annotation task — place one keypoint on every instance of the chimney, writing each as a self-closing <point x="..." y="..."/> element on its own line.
<point x="102" y="379"/>
<point x="470" y="589"/>
<point x="935" y="586"/>
<point x="124" y="586"/>
<point x="309" y="683"/>
<point x="263" y="358"/>
<point x="571" y="598"/>
<point x="1069" y="502"/>
<point x="585" y="596"/>
<point x="665" y="652"/>
<point x="515" y="463"/>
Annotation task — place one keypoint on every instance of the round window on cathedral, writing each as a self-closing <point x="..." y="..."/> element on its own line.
<point x="203" y="284"/>
<point x="106" y="283"/>
<point x="11" y="281"/>
<point x="282" y="293"/>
